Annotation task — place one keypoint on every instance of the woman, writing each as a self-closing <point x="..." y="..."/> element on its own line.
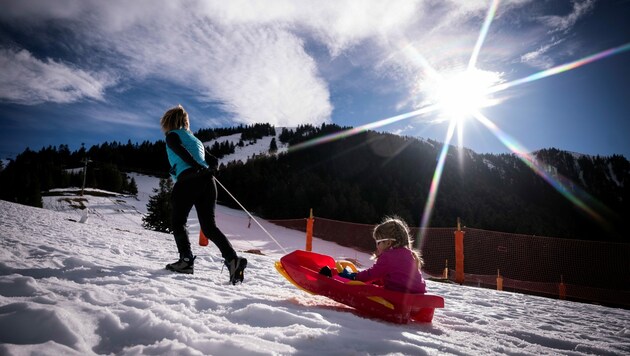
<point x="194" y="186"/>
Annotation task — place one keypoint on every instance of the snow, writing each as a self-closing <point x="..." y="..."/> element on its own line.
<point x="101" y="288"/>
<point x="249" y="150"/>
<point x="613" y="177"/>
<point x="489" y="164"/>
<point x="74" y="170"/>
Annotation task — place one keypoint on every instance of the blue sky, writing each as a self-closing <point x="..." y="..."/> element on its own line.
<point x="91" y="71"/>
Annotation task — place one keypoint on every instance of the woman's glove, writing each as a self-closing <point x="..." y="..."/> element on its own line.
<point x="347" y="274"/>
<point x="206" y="172"/>
<point x="212" y="161"/>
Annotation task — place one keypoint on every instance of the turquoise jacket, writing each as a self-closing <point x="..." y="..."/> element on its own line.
<point x="192" y="145"/>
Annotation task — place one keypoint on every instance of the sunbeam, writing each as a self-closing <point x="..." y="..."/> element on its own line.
<point x="507" y="140"/>
<point x="461" y="95"/>
<point x="483" y="33"/>
<point x="435" y="182"/>
<point x="413" y="53"/>
<point x="561" y="68"/>
<point x="363" y="128"/>
<point x="523" y="154"/>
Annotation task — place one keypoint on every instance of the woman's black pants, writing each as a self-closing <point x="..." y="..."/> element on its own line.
<point x="198" y="190"/>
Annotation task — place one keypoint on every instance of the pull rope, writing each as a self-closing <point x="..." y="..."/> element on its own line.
<point x="250" y="215"/>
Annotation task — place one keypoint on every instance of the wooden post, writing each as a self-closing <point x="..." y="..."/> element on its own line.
<point x="459" y="254"/>
<point x="309" y="232"/>
<point x="84" y="175"/>
<point x="499" y="281"/>
<point x="445" y="273"/>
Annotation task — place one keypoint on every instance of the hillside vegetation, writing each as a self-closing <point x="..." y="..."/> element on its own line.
<point x="366" y="176"/>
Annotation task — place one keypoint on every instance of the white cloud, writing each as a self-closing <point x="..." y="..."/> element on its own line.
<point x="539" y="58"/>
<point x="558" y="26"/>
<point x="256" y="73"/>
<point x="27" y="80"/>
<point x="250" y="57"/>
<point x="565" y="23"/>
<point x="337" y="24"/>
<point x="264" y="75"/>
<point x="36" y="11"/>
<point x="106" y="116"/>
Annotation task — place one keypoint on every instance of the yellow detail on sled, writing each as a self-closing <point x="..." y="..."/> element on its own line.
<point x="341" y="264"/>
<point x="284" y="273"/>
<point x="379" y="300"/>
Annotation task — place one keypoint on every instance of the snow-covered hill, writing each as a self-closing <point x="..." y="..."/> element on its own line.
<point x="249" y="150"/>
<point x="100" y="287"/>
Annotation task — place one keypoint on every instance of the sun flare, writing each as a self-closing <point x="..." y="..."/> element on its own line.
<point x="460" y="95"/>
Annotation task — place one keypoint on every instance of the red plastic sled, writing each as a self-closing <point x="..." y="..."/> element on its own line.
<point x="302" y="269"/>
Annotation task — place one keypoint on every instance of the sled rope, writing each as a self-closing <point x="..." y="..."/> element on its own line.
<point x="250" y="215"/>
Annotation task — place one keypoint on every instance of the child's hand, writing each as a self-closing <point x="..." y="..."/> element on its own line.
<point x="347" y="274"/>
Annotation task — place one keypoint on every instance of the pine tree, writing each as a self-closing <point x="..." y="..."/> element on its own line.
<point x="159" y="208"/>
<point x="132" y="188"/>
<point x="273" y="146"/>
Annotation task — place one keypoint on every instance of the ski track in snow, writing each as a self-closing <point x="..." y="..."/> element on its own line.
<point x="101" y="288"/>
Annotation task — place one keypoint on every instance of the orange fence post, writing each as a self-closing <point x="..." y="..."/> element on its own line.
<point x="309" y="232"/>
<point x="203" y="240"/>
<point x="499" y="281"/>
<point x="459" y="254"/>
<point x="562" y="289"/>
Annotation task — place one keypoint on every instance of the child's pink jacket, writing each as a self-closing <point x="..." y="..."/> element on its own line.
<point x="397" y="269"/>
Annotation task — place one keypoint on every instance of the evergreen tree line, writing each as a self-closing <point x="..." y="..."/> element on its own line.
<point x="146" y="157"/>
<point x="220" y="150"/>
<point x="248" y="132"/>
<point x="364" y="177"/>
<point x="31" y="173"/>
<point x="149" y="157"/>
<point x="257" y="131"/>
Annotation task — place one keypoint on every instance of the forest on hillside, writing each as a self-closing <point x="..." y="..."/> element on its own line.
<point x="363" y="177"/>
<point x="32" y="173"/>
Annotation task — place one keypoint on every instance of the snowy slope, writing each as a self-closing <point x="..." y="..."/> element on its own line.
<point x="100" y="288"/>
<point x="249" y="150"/>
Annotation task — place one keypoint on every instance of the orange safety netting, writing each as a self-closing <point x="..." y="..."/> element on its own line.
<point x="562" y="268"/>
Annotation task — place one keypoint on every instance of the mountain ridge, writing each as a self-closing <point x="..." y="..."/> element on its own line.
<point x="363" y="177"/>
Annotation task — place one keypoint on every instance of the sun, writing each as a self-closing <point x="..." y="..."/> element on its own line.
<point x="460" y="95"/>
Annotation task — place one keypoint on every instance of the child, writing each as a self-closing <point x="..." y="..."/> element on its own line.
<point x="194" y="185"/>
<point x="397" y="266"/>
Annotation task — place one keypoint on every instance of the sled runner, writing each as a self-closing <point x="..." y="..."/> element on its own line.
<point x="302" y="269"/>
